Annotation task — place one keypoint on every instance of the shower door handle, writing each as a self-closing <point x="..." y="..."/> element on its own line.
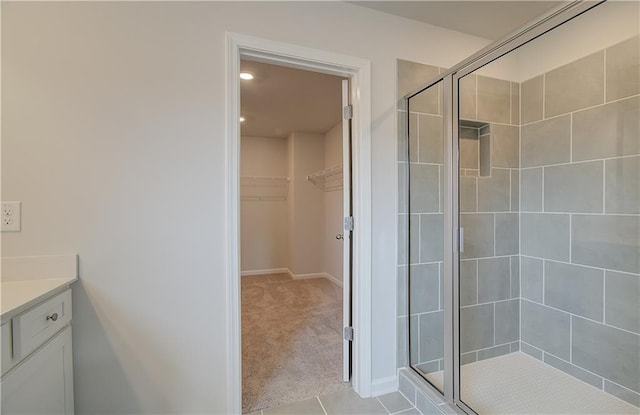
<point x="461" y="239"/>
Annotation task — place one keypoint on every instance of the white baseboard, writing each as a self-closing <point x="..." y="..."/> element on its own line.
<point x="384" y="385"/>
<point x="292" y="275"/>
<point x="333" y="279"/>
<point x="317" y="275"/>
<point x="307" y="276"/>
<point x="265" y="272"/>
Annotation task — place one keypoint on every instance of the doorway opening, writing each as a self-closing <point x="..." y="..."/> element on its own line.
<point x="358" y="71"/>
<point x="295" y="267"/>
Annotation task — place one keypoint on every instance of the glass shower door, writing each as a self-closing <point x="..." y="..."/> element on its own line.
<point x="549" y="203"/>
<point x="425" y="170"/>
<point x="523" y="223"/>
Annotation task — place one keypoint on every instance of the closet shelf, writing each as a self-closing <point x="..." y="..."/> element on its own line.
<point x="328" y="179"/>
<point x="264" y="198"/>
<point x="264" y="188"/>
<point x="266" y="178"/>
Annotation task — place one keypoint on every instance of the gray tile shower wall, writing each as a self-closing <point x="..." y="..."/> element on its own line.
<point x="550" y="204"/>
<point x="420" y="256"/>
<point x="580" y="219"/>
<point x="489" y="203"/>
<point x="489" y="198"/>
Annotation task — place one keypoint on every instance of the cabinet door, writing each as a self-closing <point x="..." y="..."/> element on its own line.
<point x="6" y="346"/>
<point x="43" y="382"/>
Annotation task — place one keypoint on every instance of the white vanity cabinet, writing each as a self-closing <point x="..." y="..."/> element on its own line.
<point x="37" y="359"/>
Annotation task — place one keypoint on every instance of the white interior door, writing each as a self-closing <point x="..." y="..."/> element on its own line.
<point x="347" y="235"/>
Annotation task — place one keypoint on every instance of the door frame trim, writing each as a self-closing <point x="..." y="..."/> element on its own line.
<point x="359" y="71"/>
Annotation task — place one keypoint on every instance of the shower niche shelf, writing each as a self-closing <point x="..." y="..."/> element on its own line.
<point x="479" y="162"/>
<point x="327" y="180"/>
<point x="264" y="188"/>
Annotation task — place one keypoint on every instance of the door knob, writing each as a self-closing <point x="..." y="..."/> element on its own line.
<point x="339" y="236"/>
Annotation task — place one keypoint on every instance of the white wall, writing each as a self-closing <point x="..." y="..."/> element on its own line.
<point x="264" y="224"/>
<point x="303" y="240"/>
<point x="333" y="216"/>
<point x="307" y="223"/>
<point x="263" y="156"/>
<point x="113" y="137"/>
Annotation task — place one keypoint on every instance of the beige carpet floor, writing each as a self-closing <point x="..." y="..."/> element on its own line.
<point x="291" y="340"/>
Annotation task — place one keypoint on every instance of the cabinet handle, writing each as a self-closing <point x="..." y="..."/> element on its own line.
<point x="53" y="317"/>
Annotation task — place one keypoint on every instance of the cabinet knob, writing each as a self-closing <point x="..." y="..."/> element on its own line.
<point x="53" y="317"/>
<point x="339" y="236"/>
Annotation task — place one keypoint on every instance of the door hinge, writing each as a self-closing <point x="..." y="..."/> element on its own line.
<point x="348" y="112"/>
<point x="348" y="334"/>
<point x="348" y="223"/>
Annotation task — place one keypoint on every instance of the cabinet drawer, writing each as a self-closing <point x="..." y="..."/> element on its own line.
<point x="34" y="327"/>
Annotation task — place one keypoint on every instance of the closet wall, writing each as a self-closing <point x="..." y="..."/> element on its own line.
<point x="290" y="229"/>
<point x="306" y="204"/>
<point x="264" y="212"/>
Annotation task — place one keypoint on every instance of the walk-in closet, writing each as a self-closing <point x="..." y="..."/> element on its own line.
<point x="291" y="211"/>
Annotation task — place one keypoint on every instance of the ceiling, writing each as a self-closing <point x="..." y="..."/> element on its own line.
<point x="280" y="100"/>
<point x="487" y="19"/>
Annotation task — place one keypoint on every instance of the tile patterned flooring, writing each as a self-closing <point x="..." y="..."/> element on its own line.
<point x="520" y="384"/>
<point x="517" y="383"/>
<point x="511" y="384"/>
<point x="346" y="402"/>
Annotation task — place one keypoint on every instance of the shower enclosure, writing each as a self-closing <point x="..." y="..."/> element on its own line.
<point x="519" y="262"/>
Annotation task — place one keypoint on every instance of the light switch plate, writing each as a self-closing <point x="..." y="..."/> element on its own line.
<point x="11" y="216"/>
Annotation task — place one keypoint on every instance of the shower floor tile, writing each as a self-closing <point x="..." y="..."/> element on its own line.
<point x="519" y="384"/>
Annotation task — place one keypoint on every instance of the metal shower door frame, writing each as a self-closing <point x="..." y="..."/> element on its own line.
<point x="451" y="81"/>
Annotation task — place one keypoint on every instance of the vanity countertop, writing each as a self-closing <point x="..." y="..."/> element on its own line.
<point x="30" y="279"/>
<point x="20" y="295"/>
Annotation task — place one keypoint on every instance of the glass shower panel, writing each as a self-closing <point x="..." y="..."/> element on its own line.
<point x="489" y="167"/>
<point x="549" y="200"/>
<point x="426" y="234"/>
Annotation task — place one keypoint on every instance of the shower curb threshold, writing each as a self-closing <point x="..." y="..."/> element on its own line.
<point x="420" y="387"/>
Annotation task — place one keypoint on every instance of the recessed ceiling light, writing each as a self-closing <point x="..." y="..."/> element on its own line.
<point x="241" y="119"/>
<point x="246" y="75"/>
